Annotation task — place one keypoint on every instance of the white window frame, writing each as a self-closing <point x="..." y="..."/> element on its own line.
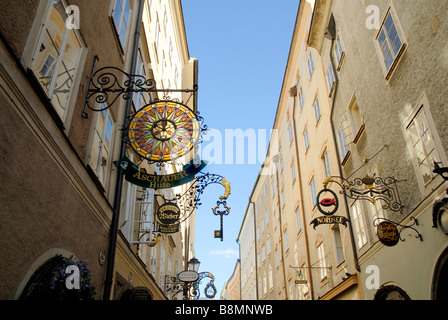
<point x="339" y="51"/>
<point x="331" y="80"/>
<point x="33" y="46"/>
<point x="108" y="115"/>
<point x="313" y="192"/>
<point x="310" y="63"/>
<point x="321" y="261"/>
<point x="317" y="112"/>
<point x="398" y="53"/>
<point x="118" y="28"/>
<point x="306" y="139"/>
<point x="359" y="224"/>
<point x="423" y="106"/>
<point x="325" y="160"/>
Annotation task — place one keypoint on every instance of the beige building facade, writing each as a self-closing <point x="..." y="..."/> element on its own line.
<point x="60" y="189"/>
<point x="390" y="120"/>
<point x="294" y="260"/>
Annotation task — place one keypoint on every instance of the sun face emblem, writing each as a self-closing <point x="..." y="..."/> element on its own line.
<point x="163" y="131"/>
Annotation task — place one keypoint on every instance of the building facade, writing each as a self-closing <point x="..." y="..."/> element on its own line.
<point x="390" y="119"/>
<point x="60" y="199"/>
<point x="294" y="260"/>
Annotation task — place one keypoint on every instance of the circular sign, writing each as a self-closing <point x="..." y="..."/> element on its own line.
<point x="388" y="233"/>
<point x="331" y="203"/>
<point x="164" y="131"/>
<point x="188" y="276"/>
<point x="168" y="213"/>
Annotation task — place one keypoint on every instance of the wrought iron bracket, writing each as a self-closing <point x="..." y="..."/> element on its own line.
<point x="370" y="189"/>
<point x="109" y="83"/>
<point x="191" y="198"/>
<point x="174" y="286"/>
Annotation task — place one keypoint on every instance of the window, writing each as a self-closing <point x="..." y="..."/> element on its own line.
<point x="390" y="41"/>
<point x="356" y="119"/>
<point x="283" y="197"/>
<point x="423" y="145"/>
<point x="267" y="216"/>
<point x="321" y="262"/>
<point x="343" y="141"/>
<point x="263" y="254"/>
<point x="121" y="16"/>
<point x="291" y="135"/>
<point x="313" y="192"/>
<point x="301" y="98"/>
<point x="285" y="234"/>
<point x="310" y="65"/>
<point x="339" y="52"/>
<point x="140" y="99"/>
<point x="56" y="58"/>
<point x="306" y="139"/>
<point x="298" y="220"/>
<point x="358" y="223"/>
<point x="317" y="110"/>
<point x="268" y="246"/>
<point x="326" y="164"/>
<point x="337" y="242"/>
<point x="293" y="172"/>
<point x="271" y="282"/>
<point x="100" y="155"/>
<point x="330" y="80"/>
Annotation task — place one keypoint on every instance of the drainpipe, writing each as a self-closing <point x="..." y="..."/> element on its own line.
<point x="352" y="237"/>
<point x="302" y="212"/>
<point x="281" y="226"/>
<point x="118" y="189"/>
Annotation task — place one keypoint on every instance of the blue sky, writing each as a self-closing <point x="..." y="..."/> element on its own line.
<point x="242" y="47"/>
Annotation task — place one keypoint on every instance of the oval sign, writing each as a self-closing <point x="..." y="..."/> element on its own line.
<point x="331" y="203"/>
<point x="168" y="213"/>
<point x="388" y="233"/>
<point x="188" y="276"/>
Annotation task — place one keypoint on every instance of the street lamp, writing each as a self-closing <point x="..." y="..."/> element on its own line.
<point x="193" y="265"/>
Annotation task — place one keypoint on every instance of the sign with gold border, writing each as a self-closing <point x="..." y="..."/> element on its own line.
<point x="164" y="131"/>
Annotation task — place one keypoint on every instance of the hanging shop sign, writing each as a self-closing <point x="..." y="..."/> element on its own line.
<point x="329" y="220"/>
<point x="134" y="176"/>
<point x="188" y="276"/>
<point x="164" y="228"/>
<point x="164" y="131"/>
<point x="327" y="205"/>
<point x="168" y="213"/>
<point x="388" y="233"/>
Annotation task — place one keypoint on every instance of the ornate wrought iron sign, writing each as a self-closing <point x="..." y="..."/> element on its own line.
<point x="388" y="233"/>
<point x="107" y="84"/>
<point x="371" y="189"/>
<point x="153" y="181"/>
<point x="188" y="282"/>
<point x="168" y="213"/>
<point x="330" y="220"/>
<point x="332" y="202"/>
<point x="164" y="131"/>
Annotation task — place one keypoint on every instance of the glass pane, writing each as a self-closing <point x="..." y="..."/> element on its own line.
<point x="389" y="61"/>
<point x="396" y="45"/>
<point x="426" y="171"/>
<point x="382" y="38"/>
<point x="117" y="13"/>
<point x="389" y="22"/>
<point x="413" y="133"/>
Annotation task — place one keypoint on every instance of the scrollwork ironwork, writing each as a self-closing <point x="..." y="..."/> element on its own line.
<point x="370" y="189"/>
<point x="109" y="83"/>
